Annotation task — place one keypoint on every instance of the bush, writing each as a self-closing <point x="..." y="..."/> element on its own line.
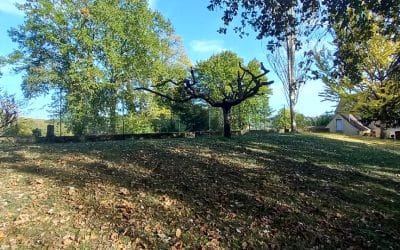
<point x="19" y="129"/>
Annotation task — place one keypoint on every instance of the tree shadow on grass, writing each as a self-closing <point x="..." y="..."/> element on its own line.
<point x="283" y="200"/>
<point x="325" y="150"/>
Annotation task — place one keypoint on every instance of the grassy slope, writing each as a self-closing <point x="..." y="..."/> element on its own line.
<point x="256" y="191"/>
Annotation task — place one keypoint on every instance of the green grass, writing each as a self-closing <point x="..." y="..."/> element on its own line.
<point x="255" y="191"/>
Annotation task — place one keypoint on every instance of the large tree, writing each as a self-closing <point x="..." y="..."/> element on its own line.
<point x="278" y="22"/>
<point x="279" y="63"/>
<point x="281" y="23"/>
<point x="221" y="81"/>
<point x="96" y="51"/>
<point x="368" y="83"/>
<point x="270" y="18"/>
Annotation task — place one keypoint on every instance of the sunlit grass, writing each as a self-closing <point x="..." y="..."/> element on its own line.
<point x="255" y="191"/>
<point x="367" y="140"/>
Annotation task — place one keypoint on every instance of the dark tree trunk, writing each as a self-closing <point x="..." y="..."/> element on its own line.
<point x="113" y="116"/>
<point x="246" y="90"/>
<point x="227" y="121"/>
<point x="383" y="130"/>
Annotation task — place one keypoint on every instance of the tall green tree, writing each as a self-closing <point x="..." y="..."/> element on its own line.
<point x="282" y="120"/>
<point x="368" y="83"/>
<point x="97" y="51"/>
<point x="253" y="111"/>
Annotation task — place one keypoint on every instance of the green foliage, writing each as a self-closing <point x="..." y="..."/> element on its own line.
<point x="272" y="19"/>
<point x="302" y="121"/>
<point x="282" y="120"/>
<point x="136" y="123"/>
<point x="221" y="82"/>
<point x="322" y="120"/>
<point x="18" y="129"/>
<point x="145" y="121"/>
<point x="2" y="63"/>
<point x="193" y="115"/>
<point x="252" y="112"/>
<point x="24" y="127"/>
<point x="269" y="19"/>
<point x="218" y="76"/>
<point x="221" y="79"/>
<point x="368" y="83"/>
<point x="96" y="52"/>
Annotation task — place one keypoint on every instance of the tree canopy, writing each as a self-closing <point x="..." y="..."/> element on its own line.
<point x="279" y="22"/>
<point x="368" y="84"/>
<point x="96" y="52"/>
<point x="221" y="81"/>
<point x="271" y="19"/>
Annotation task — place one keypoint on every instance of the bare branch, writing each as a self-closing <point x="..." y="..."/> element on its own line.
<point x="8" y="111"/>
<point x="170" y="98"/>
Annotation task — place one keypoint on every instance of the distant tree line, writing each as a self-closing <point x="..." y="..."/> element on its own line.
<point x="94" y="56"/>
<point x="362" y="67"/>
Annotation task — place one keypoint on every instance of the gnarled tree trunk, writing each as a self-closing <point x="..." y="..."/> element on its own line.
<point x="227" y="121"/>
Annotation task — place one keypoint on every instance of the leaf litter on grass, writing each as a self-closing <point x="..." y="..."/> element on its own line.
<point x="257" y="191"/>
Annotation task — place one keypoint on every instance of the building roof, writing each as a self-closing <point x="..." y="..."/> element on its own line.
<point x="354" y="122"/>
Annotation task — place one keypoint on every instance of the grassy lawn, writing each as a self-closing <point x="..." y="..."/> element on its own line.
<point x="255" y="191"/>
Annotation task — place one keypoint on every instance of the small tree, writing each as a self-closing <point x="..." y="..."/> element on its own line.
<point x="282" y="120"/>
<point x="8" y="110"/>
<point x="322" y="120"/>
<point x="219" y="82"/>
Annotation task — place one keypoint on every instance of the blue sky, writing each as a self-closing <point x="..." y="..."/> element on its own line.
<point x="198" y="29"/>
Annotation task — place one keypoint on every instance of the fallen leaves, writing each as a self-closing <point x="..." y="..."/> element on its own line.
<point x="71" y="191"/>
<point x="123" y="191"/>
<point x="114" y="236"/>
<point x="2" y="236"/>
<point x="169" y="194"/>
<point x="21" y="219"/>
<point x="67" y="240"/>
<point x="178" y="233"/>
<point x="38" y="181"/>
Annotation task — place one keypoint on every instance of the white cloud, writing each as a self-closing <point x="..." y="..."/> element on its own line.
<point x="207" y="46"/>
<point x="153" y="4"/>
<point x="8" y="6"/>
